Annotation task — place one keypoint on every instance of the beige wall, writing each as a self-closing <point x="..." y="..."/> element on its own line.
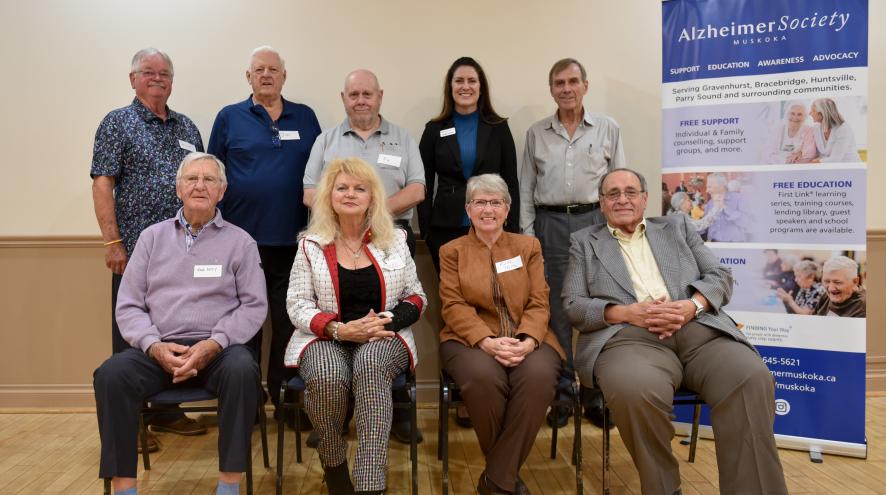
<point x="71" y="61"/>
<point x="66" y="65"/>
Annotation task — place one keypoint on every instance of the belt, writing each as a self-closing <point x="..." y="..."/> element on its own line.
<point x="571" y="209"/>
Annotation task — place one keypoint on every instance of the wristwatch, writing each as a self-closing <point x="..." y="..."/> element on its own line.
<point x="699" y="307"/>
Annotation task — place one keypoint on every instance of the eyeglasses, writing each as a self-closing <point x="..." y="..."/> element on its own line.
<point x="262" y="70"/>
<point x="496" y="204"/>
<point x="275" y="137"/>
<point x="208" y="180"/>
<point x="630" y="194"/>
<point x="151" y="74"/>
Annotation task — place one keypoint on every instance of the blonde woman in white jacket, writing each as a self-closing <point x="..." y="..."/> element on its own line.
<point x="353" y="294"/>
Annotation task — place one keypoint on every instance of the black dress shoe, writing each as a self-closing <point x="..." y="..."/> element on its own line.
<point x="463" y="421"/>
<point x="593" y="406"/>
<point x="400" y="432"/>
<point x="521" y="488"/>
<point x="562" y="418"/>
<point x="338" y="480"/>
<point x="594" y="414"/>
<point x="313" y="440"/>
<point x="485" y="486"/>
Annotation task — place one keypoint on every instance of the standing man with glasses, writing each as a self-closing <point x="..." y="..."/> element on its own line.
<point x="264" y="141"/>
<point x="386" y="146"/>
<point x="135" y="156"/>
<point x="565" y="156"/>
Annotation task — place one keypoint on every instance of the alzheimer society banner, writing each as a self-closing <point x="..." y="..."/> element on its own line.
<point x="764" y="147"/>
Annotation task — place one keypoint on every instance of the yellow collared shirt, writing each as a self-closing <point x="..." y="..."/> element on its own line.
<point x="641" y="264"/>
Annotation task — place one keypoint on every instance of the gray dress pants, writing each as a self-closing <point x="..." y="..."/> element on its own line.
<point x="639" y="373"/>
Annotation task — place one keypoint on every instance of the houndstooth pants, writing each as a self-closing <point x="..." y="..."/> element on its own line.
<point x="331" y="371"/>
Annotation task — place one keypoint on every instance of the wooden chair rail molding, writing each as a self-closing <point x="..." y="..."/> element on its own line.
<point x="50" y="241"/>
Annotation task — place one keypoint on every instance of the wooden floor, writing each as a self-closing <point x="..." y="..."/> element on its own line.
<point x="58" y="453"/>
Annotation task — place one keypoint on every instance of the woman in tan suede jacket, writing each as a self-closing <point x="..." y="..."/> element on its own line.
<point x="496" y="343"/>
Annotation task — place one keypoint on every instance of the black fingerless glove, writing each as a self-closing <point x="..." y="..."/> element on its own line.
<point x="405" y="314"/>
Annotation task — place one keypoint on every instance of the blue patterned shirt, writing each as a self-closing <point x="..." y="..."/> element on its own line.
<point x="142" y="152"/>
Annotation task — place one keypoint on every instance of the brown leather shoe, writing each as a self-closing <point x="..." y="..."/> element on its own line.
<point x="180" y="426"/>
<point x="153" y="443"/>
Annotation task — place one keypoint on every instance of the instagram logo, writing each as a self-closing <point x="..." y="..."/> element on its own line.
<point x="782" y="407"/>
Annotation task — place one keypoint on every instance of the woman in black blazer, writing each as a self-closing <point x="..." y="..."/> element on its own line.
<point x="468" y="138"/>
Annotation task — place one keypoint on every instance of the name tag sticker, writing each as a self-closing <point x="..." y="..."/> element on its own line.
<point x="187" y="146"/>
<point x="207" y="271"/>
<point x="392" y="160"/>
<point x="508" y="265"/>
<point x="289" y="135"/>
<point x="393" y="263"/>
<point x="447" y="132"/>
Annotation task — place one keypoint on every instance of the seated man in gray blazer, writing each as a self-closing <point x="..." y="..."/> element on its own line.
<point x="645" y="295"/>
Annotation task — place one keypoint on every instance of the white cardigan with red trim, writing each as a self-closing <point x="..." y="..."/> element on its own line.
<point x="312" y="300"/>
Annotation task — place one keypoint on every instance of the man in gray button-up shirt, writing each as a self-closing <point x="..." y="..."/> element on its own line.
<point x="368" y="136"/>
<point x="565" y="156"/>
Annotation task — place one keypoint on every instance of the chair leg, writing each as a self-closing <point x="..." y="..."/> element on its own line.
<point x="442" y="415"/>
<point x="413" y="434"/>
<point x="555" y="428"/>
<point x="445" y="399"/>
<point x="576" y="442"/>
<point x="605" y="448"/>
<point x="281" y="431"/>
<point x="299" y="407"/>
<point x="107" y="486"/>
<point x="263" y="425"/>
<point x="143" y="432"/>
<point x="693" y="439"/>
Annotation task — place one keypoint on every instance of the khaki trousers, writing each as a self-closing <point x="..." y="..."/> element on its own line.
<point x="506" y="405"/>
<point x="639" y="373"/>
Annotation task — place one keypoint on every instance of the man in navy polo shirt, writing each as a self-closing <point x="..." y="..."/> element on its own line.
<point x="265" y="142"/>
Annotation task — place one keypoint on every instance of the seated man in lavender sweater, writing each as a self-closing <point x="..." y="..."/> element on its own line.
<point x="192" y="295"/>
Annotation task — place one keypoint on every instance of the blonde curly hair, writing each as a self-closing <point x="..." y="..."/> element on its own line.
<point x="324" y="221"/>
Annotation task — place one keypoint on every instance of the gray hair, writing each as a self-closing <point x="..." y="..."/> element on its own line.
<point x="563" y="64"/>
<point x="197" y="156"/>
<point x="488" y="183"/>
<point x="849" y="266"/>
<point x="147" y="52"/>
<point x="677" y="200"/>
<point x="830" y="116"/>
<point x="638" y="175"/>
<point x="262" y="49"/>
<point x="718" y="178"/>
<point x="806" y="267"/>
